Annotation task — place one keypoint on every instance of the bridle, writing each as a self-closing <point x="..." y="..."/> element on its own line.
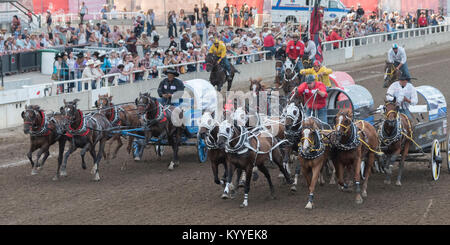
<point x="311" y="152"/>
<point x="42" y="127"/>
<point x="353" y="141"/>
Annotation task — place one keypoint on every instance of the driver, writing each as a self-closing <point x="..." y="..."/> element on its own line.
<point x="220" y="50"/>
<point x="315" y="94"/>
<point x="397" y="55"/>
<point x="404" y="94"/>
<point x="169" y="86"/>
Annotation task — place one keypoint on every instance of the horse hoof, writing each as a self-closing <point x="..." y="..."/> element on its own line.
<point x="241" y="184"/>
<point x="171" y="166"/>
<point x="176" y="164"/>
<point x="332" y="182"/>
<point x="233" y="195"/>
<point x="222" y="183"/>
<point x="280" y="175"/>
<point x="387" y="182"/>
<point x="136" y="159"/>
<point x="39" y="168"/>
<point x="63" y="173"/>
<point x="398" y="183"/>
<point x="293" y="188"/>
<point x="255" y="176"/>
<point x="243" y="205"/>
<point x="97" y="177"/>
<point x="55" y="178"/>
<point x="225" y="196"/>
<point x="364" y="194"/>
<point x="359" y="200"/>
<point x="309" y="206"/>
<point x="34" y="172"/>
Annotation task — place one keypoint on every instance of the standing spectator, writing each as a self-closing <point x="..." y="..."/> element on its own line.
<point x="217" y="15"/>
<point x="423" y="20"/>
<point x="116" y="70"/>
<point x="172" y="43"/>
<point x="359" y="12"/>
<point x="334" y="36"/>
<point x="184" y="41"/>
<point x="254" y="12"/>
<point x="241" y="16"/>
<point x="200" y="27"/>
<point x="48" y="21"/>
<point x="269" y="44"/>
<point x="131" y="43"/>
<point x="144" y="42"/>
<point x="139" y="26"/>
<point x="434" y="21"/>
<point x="235" y="16"/>
<point x="182" y="15"/>
<point x="150" y="20"/>
<point x="173" y="18"/>
<point x="183" y="25"/>
<point x="104" y="10"/>
<point x="15" y="25"/>
<point x="226" y="15"/>
<point x="196" y="12"/>
<point x="205" y="15"/>
<point x="114" y="13"/>
<point x="83" y="12"/>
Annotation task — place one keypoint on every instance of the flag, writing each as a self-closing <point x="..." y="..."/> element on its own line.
<point x="316" y="27"/>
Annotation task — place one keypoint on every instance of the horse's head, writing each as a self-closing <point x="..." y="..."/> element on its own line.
<point x="391" y="112"/>
<point x="343" y="122"/>
<point x="390" y="73"/>
<point x="225" y="133"/>
<point x="206" y="125"/>
<point x="308" y="134"/>
<point x="288" y="68"/>
<point x="256" y="86"/>
<point x="104" y="101"/>
<point x="144" y="103"/>
<point x="70" y="110"/>
<point x="31" y="118"/>
<point x="239" y="117"/>
<point x="292" y="115"/>
<point x="211" y="62"/>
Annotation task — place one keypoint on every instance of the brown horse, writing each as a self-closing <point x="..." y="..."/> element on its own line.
<point x="85" y="132"/>
<point x="44" y="131"/>
<point x="312" y="155"/>
<point x="278" y="68"/>
<point x="291" y="79"/>
<point x="390" y="74"/>
<point x="246" y="149"/>
<point x="393" y="140"/>
<point x="353" y="143"/>
<point x="218" y="75"/>
<point x="119" y="116"/>
<point x="157" y="121"/>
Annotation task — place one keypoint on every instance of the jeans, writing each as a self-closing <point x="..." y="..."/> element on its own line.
<point x="321" y="114"/>
<point x="272" y="51"/>
<point x="149" y="28"/>
<point x="404" y="69"/>
<point x="225" y="63"/>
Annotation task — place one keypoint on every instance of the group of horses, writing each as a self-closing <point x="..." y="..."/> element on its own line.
<point x="348" y="150"/>
<point x="86" y="130"/>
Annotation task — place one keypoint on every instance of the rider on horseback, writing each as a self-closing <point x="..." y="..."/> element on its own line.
<point x="320" y="72"/>
<point x="219" y="49"/>
<point x="295" y="49"/>
<point x="169" y="86"/>
<point x="397" y="56"/>
<point x="404" y="93"/>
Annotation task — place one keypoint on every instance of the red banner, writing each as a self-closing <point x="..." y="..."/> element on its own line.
<point x="55" y="6"/>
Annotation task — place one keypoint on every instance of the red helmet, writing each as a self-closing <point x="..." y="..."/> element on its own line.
<point x="317" y="63"/>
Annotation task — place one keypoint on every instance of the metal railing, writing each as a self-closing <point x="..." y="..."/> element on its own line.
<point x="87" y="84"/>
<point x="385" y="37"/>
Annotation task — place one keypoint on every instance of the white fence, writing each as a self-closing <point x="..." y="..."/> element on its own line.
<point x="385" y="37"/>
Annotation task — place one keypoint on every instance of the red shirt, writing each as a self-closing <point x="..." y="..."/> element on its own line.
<point x="295" y="50"/>
<point x="308" y="95"/>
<point x="423" y="21"/>
<point x="269" y="41"/>
<point x="334" y="36"/>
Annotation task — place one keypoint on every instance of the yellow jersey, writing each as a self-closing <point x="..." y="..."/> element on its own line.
<point x="325" y="79"/>
<point x="221" y="51"/>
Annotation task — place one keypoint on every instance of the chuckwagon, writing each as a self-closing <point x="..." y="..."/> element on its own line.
<point x="199" y="97"/>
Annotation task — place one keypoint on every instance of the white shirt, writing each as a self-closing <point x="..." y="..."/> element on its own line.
<point x="400" y="56"/>
<point x="311" y="49"/>
<point x="400" y="93"/>
<point x="127" y="67"/>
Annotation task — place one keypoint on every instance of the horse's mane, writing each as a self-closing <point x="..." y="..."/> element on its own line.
<point x="345" y="112"/>
<point x="34" y="107"/>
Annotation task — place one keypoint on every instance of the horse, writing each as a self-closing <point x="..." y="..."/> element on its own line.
<point x="395" y="136"/>
<point x="291" y="78"/>
<point x="246" y="149"/>
<point x="157" y="121"/>
<point x="313" y="153"/>
<point x="391" y="74"/>
<point x="218" y="75"/>
<point x="85" y="131"/>
<point x="119" y="116"/>
<point x="354" y="143"/>
<point x="44" y="131"/>
<point x="278" y="68"/>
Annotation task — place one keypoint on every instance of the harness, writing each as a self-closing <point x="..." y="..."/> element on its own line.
<point x="387" y="140"/>
<point x="354" y="141"/>
<point x="160" y="116"/>
<point x="82" y="129"/>
<point x="314" y="152"/>
<point x="115" y="118"/>
<point x="43" y="130"/>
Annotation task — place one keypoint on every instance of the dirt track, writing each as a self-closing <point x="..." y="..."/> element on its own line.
<point x="146" y="193"/>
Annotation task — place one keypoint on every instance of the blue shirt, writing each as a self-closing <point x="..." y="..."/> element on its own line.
<point x="200" y="27"/>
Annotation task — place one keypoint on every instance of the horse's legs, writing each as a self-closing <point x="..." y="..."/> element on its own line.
<point x="277" y="157"/>
<point x="42" y="149"/>
<point x="312" y="185"/>
<point x="307" y="173"/>
<point x="119" y="144"/>
<point x="357" y="166"/>
<point x="297" y="173"/>
<point x="44" y="158"/>
<point x="30" y="154"/>
<point x="215" y="170"/>
<point x="402" y="161"/>
<point x="226" y="191"/>
<point x="332" y="171"/>
<point x="264" y="170"/>
<point x="286" y="154"/>
<point x="367" y="171"/>
<point x="99" y="158"/>
<point x="248" y="175"/>
<point x="66" y="156"/>
<point x="62" y="144"/>
<point x="174" y="140"/>
<point x="83" y="153"/>
<point x="388" y="167"/>
<point x="340" y="173"/>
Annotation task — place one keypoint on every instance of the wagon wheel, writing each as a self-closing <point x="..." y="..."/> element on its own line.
<point x="436" y="160"/>
<point x="159" y="149"/>
<point x="448" y="153"/>
<point x="202" y="150"/>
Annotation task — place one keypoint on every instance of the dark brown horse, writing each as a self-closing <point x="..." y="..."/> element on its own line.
<point x="85" y="131"/>
<point x="246" y="149"/>
<point x="353" y="143"/>
<point x="393" y="140"/>
<point x="158" y="122"/>
<point x="313" y="154"/>
<point x="44" y="130"/>
<point x="119" y="116"/>
<point x="278" y="68"/>
<point x="390" y="74"/>
<point x="291" y="79"/>
<point x="218" y="75"/>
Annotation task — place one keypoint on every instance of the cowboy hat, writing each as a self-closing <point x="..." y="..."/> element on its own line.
<point x="97" y="62"/>
<point x="172" y="71"/>
<point x="90" y="62"/>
